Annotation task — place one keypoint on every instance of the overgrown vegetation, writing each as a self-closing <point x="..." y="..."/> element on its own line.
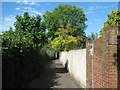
<point x="65" y="41"/>
<point x="66" y="25"/>
<point x="27" y="49"/>
<point x="22" y="53"/>
<point x="113" y="20"/>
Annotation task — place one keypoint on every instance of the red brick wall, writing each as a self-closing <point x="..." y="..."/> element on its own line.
<point x="97" y="68"/>
<point x="110" y="57"/>
<point x="102" y="66"/>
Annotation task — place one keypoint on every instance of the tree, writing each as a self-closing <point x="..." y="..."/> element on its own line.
<point x="65" y="14"/>
<point x="31" y="27"/>
<point x="113" y="20"/>
<point x="65" y="41"/>
<point x="93" y="36"/>
<point x="23" y="58"/>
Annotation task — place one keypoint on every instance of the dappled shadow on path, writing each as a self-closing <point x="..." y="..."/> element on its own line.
<point x="49" y="78"/>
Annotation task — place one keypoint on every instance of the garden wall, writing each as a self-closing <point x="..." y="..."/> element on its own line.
<point x="76" y="60"/>
<point x="103" y="60"/>
<point x="97" y="66"/>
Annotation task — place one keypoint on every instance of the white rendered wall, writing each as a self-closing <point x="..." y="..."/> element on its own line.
<point x="76" y="64"/>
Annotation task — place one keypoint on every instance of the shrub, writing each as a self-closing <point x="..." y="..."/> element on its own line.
<point x="22" y="53"/>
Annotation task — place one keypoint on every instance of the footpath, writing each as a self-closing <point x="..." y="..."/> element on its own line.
<point x="54" y="76"/>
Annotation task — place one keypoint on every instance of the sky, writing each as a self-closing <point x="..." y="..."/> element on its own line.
<point x="96" y="12"/>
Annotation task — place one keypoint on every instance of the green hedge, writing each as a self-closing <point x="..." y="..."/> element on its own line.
<point x="19" y="68"/>
<point x="22" y="55"/>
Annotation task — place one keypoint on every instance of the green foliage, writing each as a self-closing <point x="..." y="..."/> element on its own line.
<point x="32" y="27"/>
<point x="100" y="33"/>
<point x="113" y="20"/>
<point x="65" y="26"/>
<point x="65" y="14"/>
<point x="22" y="54"/>
<point x="64" y="44"/>
<point x="65" y="41"/>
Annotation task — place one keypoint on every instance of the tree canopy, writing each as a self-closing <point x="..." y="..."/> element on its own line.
<point x="66" y="42"/>
<point x="113" y="20"/>
<point x="65" y="14"/>
<point x="66" y="25"/>
<point x="21" y="51"/>
<point x="31" y="27"/>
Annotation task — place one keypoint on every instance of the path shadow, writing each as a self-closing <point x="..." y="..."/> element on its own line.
<point x="49" y="78"/>
<point x="61" y="70"/>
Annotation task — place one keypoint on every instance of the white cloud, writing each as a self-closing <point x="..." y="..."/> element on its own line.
<point x="27" y="2"/>
<point x="31" y="11"/>
<point x="36" y="12"/>
<point x="32" y="3"/>
<point x="7" y="22"/>
<point x="93" y="7"/>
<point x="24" y="2"/>
<point x="28" y="8"/>
<point x="17" y="8"/>
<point x="101" y="7"/>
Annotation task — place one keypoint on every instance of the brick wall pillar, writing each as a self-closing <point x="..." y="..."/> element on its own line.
<point x="102" y="60"/>
<point x="110" y="64"/>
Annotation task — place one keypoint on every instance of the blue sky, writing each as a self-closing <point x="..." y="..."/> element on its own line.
<point x="96" y="12"/>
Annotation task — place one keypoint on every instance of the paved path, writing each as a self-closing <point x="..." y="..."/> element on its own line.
<point x="54" y="76"/>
